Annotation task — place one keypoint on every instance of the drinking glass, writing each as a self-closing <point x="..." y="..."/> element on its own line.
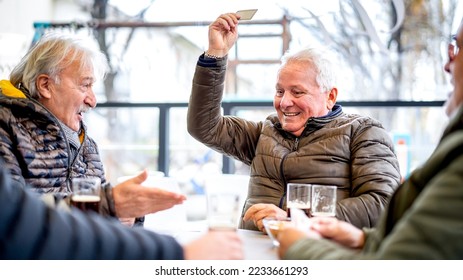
<point x="323" y="201"/>
<point x="86" y="193"/>
<point x="273" y="225"/>
<point x="223" y="211"/>
<point x="298" y="196"/>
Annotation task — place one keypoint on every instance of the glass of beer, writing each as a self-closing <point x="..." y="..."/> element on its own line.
<point x="298" y="196"/>
<point x="86" y="193"/>
<point x="323" y="201"/>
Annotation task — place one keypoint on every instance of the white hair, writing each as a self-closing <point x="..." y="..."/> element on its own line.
<point x="53" y="53"/>
<point x="322" y="62"/>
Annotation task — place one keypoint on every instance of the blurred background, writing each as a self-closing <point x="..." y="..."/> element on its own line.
<point x="390" y="56"/>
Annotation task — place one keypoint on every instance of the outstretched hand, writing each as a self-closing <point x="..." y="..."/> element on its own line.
<point x="223" y="33"/>
<point x="131" y="199"/>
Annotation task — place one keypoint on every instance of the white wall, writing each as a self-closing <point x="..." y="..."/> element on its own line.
<point x="18" y="15"/>
<point x="17" y="25"/>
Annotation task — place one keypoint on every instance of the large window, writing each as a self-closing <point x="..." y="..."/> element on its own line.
<point x="387" y="51"/>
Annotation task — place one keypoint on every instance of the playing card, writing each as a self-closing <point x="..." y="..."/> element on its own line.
<point x="246" y="14"/>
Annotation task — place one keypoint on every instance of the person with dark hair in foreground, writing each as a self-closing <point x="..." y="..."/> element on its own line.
<point x="424" y="219"/>
<point x="31" y="230"/>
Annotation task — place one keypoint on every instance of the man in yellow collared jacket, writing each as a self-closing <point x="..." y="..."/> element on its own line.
<point x="43" y="139"/>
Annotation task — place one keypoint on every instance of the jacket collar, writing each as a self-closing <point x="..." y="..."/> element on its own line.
<point x="7" y="89"/>
<point x="455" y="122"/>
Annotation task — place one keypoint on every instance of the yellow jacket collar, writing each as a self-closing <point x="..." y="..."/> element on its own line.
<point x="9" y="90"/>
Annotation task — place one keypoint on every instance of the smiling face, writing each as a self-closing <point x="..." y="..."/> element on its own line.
<point x="298" y="96"/>
<point x="454" y="66"/>
<point x="71" y="96"/>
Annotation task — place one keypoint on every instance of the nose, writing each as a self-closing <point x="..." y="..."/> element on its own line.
<point x="451" y="56"/>
<point x="286" y="100"/>
<point x="90" y="100"/>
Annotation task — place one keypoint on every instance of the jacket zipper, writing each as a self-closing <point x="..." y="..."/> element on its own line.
<point x="296" y="144"/>
<point x="68" y="148"/>
<point x="282" y="175"/>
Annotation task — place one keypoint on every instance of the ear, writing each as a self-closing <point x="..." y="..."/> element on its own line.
<point x="43" y="85"/>
<point x="331" y="98"/>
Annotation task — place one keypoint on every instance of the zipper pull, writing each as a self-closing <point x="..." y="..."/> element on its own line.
<point x="296" y="144"/>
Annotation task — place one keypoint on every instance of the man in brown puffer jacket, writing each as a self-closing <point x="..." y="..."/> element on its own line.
<point x="309" y="140"/>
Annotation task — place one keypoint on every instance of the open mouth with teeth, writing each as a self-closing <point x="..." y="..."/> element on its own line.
<point x="289" y="114"/>
<point x="83" y="110"/>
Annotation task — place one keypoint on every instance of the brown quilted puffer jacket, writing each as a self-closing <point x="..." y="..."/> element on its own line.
<point x="353" y="152"/>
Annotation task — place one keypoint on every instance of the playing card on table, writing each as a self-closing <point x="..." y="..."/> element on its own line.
<point x="246" y="14"/>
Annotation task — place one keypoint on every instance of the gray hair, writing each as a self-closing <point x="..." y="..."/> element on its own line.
<point x="51" y="55"/>
<point x="320" y="59"/>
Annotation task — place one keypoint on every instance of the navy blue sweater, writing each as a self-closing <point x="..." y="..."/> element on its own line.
<point x="31" y="230"/>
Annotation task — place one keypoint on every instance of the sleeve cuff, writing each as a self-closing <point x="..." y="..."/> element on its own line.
<point x="107" y="206"/>
<point x="206" y="61"/>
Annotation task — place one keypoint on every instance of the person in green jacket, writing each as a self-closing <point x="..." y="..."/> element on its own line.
<point x="424" y="219"/>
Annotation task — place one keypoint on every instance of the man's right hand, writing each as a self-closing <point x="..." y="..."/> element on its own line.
<point x="223" y="33"/>
<point x="131" y="199"/>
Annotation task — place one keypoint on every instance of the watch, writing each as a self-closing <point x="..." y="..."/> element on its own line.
<point x="212" y="56"/>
